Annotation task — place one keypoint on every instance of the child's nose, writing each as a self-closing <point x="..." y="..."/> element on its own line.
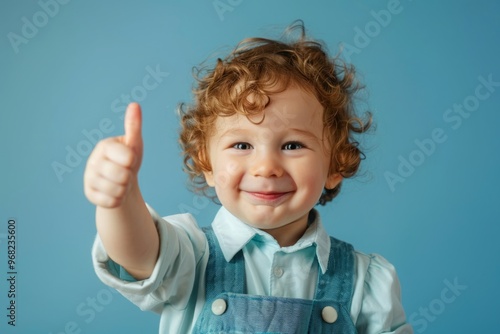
<point x="266" y="164"/>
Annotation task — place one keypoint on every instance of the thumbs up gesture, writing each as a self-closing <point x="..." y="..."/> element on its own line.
<point x="112" y="168"/>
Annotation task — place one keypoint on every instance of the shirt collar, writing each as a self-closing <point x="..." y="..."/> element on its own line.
<point x="233" y="235"/>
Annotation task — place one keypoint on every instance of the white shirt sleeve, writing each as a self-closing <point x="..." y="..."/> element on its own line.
<point x="376" y="305"/>
<point x="182" y="246"/>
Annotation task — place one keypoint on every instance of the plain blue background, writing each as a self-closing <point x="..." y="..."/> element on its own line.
<point x="439" y="227"/>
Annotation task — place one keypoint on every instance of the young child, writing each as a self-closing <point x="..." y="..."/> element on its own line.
<point x="271" y="131"/>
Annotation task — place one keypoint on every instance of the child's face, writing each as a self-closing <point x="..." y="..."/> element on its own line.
<point x="271" y="174"/>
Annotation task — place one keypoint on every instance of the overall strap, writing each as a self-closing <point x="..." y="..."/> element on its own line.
<point x="220" y="275"/>
<point x="337" y="282"/>
<point x="229" y="310"/>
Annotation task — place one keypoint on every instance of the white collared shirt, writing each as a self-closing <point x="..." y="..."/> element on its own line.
<point x="176" y="288"/>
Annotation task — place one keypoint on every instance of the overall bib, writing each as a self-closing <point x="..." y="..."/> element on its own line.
<point x="229" y="310"/>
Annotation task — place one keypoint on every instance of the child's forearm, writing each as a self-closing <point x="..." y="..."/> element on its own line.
<point x="129" y="234"/>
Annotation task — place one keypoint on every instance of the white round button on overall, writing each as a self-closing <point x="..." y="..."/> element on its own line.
<point x="329" y="314"/>
<point x="219" y="306"/>
<point x="278" y="271"/>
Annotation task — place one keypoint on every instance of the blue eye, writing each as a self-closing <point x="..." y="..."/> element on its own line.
<point x="293" y="146"/>
<point x="242" y="146"/>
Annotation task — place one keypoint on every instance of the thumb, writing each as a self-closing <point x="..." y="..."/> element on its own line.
<point x="133" y="127"/>
<point x="133" y="131"/>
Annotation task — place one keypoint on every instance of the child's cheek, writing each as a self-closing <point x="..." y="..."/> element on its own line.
<point x="227" y="174"/>
<point x="313" y="179"/>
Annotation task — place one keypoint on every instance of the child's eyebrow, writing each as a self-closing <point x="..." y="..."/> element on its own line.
<point x="232" y="132"/>
<point x="306" y="133"/>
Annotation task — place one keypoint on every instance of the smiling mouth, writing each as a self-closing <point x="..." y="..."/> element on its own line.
<point x="268" y="196"/>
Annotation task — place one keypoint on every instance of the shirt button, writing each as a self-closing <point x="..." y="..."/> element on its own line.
<point x="278" y="271"/>
<point x="329" y="314"/>
<point x="219" y="306"/>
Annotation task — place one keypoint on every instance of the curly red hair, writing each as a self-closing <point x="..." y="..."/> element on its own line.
<point x="258" y="67"/>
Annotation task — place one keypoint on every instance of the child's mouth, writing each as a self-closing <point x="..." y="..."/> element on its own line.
<point x="268" y="197"/>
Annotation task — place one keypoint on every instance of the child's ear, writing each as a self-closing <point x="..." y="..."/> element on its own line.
<point x="333" y="180"/>
<point x="209" y="177"/>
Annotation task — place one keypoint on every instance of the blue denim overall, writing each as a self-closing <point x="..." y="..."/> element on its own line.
<point x="229" y="310"/>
